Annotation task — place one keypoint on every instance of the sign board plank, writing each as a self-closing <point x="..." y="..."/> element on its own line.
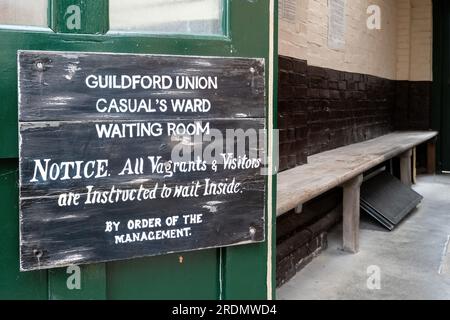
<point x="141" y="168"/>
<point x="57" y="86"/>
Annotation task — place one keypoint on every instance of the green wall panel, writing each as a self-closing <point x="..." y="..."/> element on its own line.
<point x="79" y="16"/>
<point x="14" y="284"/>
<point x="191" y="276"/>
<point x="90" y="286"/>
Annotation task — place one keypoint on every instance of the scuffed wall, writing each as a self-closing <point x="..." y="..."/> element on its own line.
<point x="366" y="51"/>
<point x="415" y="40"/>
<point x="400" y="50"/>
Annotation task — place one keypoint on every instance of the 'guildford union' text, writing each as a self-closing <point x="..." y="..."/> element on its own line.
<point x="148" y="82"/>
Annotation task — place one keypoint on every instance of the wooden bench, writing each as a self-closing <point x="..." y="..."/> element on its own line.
<point x="345" y="167"/>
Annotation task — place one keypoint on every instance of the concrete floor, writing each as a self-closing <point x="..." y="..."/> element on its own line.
<point x="413" y="260"/>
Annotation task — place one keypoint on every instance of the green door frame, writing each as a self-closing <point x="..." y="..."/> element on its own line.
<point x="245" y="272"/>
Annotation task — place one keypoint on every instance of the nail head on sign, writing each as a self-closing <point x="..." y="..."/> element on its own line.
<point x="39" y="65"/>
<point x="37" y="253"/>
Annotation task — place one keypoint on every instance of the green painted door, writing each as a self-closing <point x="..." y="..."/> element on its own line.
<point x="84" y="25"/>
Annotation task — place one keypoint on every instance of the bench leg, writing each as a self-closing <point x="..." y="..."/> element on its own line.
<point x="431" y="157"/>
<point x="405" y="167"/>
<point x="414" y="166"/>
<point x="351" y="214"/>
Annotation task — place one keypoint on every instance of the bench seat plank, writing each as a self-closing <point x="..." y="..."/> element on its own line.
<point x="331" y="169"/>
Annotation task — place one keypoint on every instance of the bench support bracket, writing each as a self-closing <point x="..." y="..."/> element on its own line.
<point x="351" y="213"/>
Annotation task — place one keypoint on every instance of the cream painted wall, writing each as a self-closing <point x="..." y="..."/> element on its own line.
<point x="415" y="40"/>
<point x="400" y="50"/>
<point x="24" y="12"/>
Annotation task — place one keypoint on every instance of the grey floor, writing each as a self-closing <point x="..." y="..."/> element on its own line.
<point x="413" y="261"/>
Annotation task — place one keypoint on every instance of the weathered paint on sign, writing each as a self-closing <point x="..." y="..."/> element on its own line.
<point x="116" y="155"/>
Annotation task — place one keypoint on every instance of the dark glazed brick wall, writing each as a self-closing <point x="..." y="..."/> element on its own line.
<point x="301" y="237"/>
<point x="413" y="105"/>
<point x="413" y="111"/>
<point x="321" y="109"/>
<point x="292" y="112"/>
<point x="345" y="108"/>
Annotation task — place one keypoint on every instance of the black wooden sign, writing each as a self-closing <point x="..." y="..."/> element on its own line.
<point x="125" y="156"/>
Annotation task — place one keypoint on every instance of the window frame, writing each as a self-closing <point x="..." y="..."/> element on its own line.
<point x="23" y="27"/>
<point x="224" y="36"/>
<point x="49" y="28"/>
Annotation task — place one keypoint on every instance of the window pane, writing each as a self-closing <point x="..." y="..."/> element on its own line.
<point x="23" y="12"/>
<point x="202" y="17"/>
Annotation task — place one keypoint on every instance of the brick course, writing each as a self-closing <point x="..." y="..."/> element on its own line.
<point x="321" y="109"/>
<point x="292" y="112"/>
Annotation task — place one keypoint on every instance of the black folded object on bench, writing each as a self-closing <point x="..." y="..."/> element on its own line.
<point x="388" y="200"/>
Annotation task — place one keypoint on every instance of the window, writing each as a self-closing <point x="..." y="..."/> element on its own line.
<point x="23" y="12"/>
<point x="199" y="17"/>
